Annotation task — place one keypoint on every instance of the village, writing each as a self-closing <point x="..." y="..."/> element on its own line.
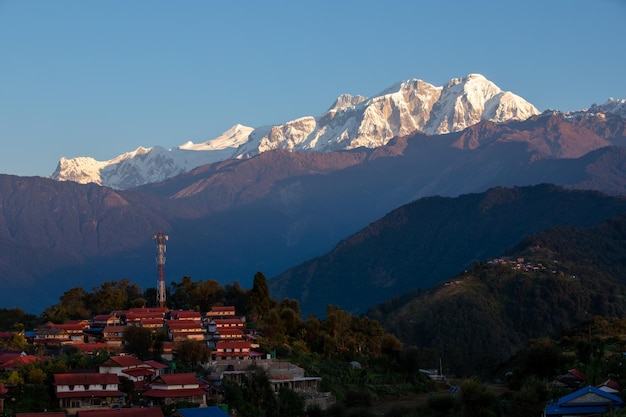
<point x="234" y="352"/>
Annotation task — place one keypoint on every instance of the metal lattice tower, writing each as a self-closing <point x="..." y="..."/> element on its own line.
<point x="160" y="239"/>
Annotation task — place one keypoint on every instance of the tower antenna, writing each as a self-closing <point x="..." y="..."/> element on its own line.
<point x="160" y="239"/>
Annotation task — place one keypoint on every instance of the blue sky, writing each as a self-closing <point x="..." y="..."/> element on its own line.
<point x="99" y="78"/>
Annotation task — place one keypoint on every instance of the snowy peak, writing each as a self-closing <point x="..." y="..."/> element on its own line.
<point x="352" y="121"/>
<point x="466" y="101"/>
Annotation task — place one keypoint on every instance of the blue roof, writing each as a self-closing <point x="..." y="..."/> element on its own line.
<point x="566" y="406"/>
<point x="211" y="411"/>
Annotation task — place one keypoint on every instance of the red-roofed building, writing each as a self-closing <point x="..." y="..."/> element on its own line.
<point x="186" y="315"/>
<point x="610" y="386"/>
<point x="52" y="334"/>
<point x="86" y="390"/>
<point x="230" y="334"/>
<point x="113" y="335"/>
<point x="9" y="355"/>
<point x="229" y="323"/>
<point x="104" y="320"/>
<point x="232" y="350"/>
<point x="180" y="330"/>
<point x="221" y="311"/>
<point x="168" y="389"/>
<point x="21" y="361"/>
<point x="158" y="367"/>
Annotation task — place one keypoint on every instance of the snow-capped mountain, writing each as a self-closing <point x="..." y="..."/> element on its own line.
<point x="149" y="165"/>
<point x="351" y="122"/>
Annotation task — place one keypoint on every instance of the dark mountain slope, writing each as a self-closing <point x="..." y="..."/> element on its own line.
<point x="483" y="316"/>
<point x="424" y="243"/>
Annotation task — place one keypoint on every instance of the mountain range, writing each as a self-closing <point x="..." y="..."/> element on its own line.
<point x="273" y="209"/>
<point x="351" y="122"/>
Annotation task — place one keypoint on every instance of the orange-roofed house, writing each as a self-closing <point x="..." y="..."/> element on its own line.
<point x="168" y="389"/>
<point x="87" y="390"/>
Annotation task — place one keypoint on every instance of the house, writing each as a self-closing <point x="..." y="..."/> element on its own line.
<point x="221" y="312"/>
<point x="168" y="389"/>
<point x="229" y="334"/>
<point x="610" y="386"/>
<point x="129" y="367"/>
<point x="229" y="323"/>
<point x="101" y="321"/>
<point x="158" y="367"/>
<point x="588" y="400"/>
<point x="186" y="315"/>
<point x="20" y="361"/>
<point x="42" y="414"/>
<point x="144" y="317"/>
<point x="231" y="350"/>
<point x="10" y="355"/>
<point x="572" y="379"/>
<point x="52" y="334"/>
<point x="87" y="390"/>
<point x="180" y="330"/>
<point x="113" y="335"/>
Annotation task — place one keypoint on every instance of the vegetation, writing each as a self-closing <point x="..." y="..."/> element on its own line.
<point x="554" y="303"/>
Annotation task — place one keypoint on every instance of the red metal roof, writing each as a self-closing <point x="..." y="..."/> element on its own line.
<point x="577" y="374"/>
<point x="179" y="379"/>
<point x="232" y="344"/>
<point x="126" y="360"/>
<point x="156" y="365"/>
<point x="173" y="393"/>
<point x="85" y="379"/>
<point x="183" y="324"/>
<point x="138" y="372"/>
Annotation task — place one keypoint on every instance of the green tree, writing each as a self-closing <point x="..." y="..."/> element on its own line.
<point x="477" y="399"/>
<point x="138" y="340"/>
<point x="259" y="301"/>
<point x="254" y="397"/>
<point x="192" y="354"/>
<point x="288" y="404"/>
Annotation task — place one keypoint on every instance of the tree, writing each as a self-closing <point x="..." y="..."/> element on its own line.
<point x="138" y="340"/>
<point x="192" y="354"/>
<point x="288" y="404"/>
<point x="477" y="400"/>
<point x="254" y="397"/>
<point x="259" y="301"/>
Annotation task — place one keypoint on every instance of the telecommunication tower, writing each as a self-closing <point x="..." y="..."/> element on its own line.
<point x="160" y="239"/>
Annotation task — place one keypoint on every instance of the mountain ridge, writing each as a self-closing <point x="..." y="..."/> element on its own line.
<point x="351" y="122"/>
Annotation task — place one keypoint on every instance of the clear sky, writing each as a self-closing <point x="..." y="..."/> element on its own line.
<point x="99" y="78"/>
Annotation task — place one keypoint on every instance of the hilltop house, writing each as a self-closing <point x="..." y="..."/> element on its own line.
<point x="87" y="390"/>
<point x="168" y="389"/>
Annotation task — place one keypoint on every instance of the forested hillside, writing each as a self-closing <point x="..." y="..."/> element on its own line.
<point x="553" y="280"/>
<point x="426" y="242"/>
